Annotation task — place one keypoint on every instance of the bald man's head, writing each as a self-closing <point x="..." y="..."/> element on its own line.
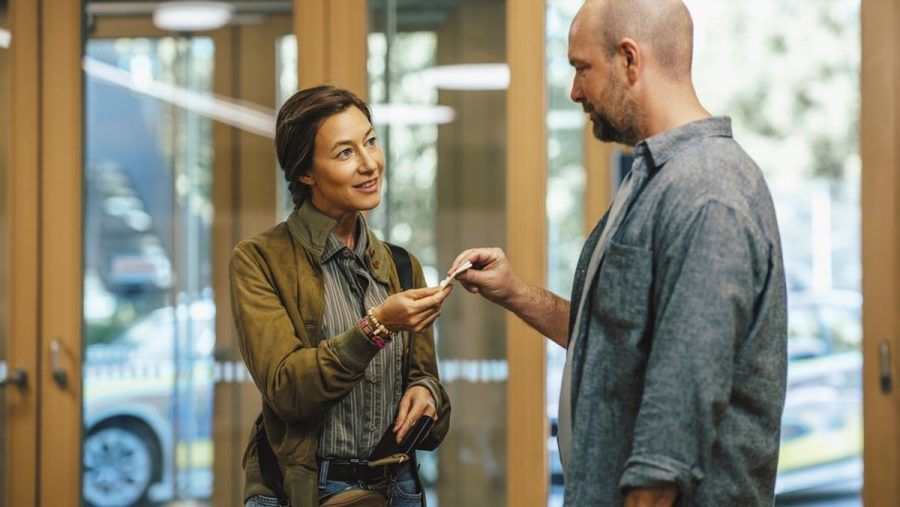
<point x="664" y="26"/>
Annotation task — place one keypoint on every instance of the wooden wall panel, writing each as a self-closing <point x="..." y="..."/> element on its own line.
<point x="526" y="181"/>
<point x="331" y="43"/>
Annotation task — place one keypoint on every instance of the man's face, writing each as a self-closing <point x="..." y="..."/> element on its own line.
<point x="599" y="86"/>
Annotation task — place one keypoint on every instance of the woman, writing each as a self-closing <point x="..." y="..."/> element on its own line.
<point x="323" y="325"/>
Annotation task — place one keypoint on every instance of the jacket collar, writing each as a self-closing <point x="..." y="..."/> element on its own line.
<point x="311" y="228"/>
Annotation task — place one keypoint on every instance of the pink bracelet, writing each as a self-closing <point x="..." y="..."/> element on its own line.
<point x="371" y="335"/>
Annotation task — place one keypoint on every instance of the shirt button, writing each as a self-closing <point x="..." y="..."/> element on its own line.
<point x="347" y="254"/>
<point x="376" y="264"/>
<point x="372" y="427"/>
<point x="372" y="379"/>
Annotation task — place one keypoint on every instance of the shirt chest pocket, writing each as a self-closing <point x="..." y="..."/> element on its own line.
<point x="622" y="291"/>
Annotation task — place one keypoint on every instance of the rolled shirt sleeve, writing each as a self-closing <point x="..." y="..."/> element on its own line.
<point x="704" y="296"/>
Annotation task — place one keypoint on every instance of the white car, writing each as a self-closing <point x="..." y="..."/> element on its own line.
<point x="148" y="410"/>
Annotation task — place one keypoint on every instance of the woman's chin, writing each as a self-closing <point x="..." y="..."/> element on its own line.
<point x="369" y="204"/>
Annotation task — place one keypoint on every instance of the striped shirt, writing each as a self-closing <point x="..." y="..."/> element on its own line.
<point x="353" y="427"/>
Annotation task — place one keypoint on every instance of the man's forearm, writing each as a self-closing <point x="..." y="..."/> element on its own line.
<point x="544" y="311"/>
<point x="652" y="497"/>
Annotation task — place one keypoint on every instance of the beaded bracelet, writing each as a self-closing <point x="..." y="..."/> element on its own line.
<point x="371" y="334"/>
<point x="379" y="328"/>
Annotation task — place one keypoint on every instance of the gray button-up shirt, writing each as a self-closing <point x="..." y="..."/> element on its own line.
<point x="679" y="363"/>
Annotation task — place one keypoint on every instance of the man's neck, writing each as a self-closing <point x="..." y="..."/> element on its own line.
<point x="675" y="105"/>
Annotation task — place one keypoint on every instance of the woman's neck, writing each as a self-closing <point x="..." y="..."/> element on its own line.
<point x="345" y="230"/>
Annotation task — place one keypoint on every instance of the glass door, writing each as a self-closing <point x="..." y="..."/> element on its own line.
<point x="175" y="117"/>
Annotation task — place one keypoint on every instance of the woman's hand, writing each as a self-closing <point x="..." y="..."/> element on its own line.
<point x="416" y="402"/>
<point x="412" y="310"/>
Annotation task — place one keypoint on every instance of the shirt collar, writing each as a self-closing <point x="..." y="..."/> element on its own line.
<point x="311" y="228"/>
<point x="333" y="245"/>
<point x="665" y="145"/>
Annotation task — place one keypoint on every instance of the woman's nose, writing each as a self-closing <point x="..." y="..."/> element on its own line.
<point x="369" y="163"/>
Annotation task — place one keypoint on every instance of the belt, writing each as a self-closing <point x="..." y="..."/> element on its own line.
<point x="352" y="470"/>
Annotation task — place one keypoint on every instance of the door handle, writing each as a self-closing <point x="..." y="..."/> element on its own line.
<point x="59" y="373"/>
<point x="18" y="377"/>
<point x="885" y="366"/>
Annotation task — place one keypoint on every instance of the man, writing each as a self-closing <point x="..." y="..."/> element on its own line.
<point x="676" y="334"/>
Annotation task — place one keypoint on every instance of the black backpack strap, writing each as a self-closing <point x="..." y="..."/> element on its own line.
<point x="404" y="265"/>
<point x="268" y="463"/>
<point x="404" y="273"/>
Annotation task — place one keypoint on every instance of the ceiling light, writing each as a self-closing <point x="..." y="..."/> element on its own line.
<point x="477" y="76"/>
<point x="178" y="16"/>
<point x="411" y="114"/>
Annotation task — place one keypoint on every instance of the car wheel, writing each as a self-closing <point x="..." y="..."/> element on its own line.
<point x="118" y="465"/>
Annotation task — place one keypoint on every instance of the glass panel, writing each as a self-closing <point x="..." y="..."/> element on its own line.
<point x="148" y="314"/>
<point x="442" y="128"/>
<point x="4" y="226"/>
<point x="158" y="141"/>
<point x="565" y="202"/>
<point x="795" y="109"/>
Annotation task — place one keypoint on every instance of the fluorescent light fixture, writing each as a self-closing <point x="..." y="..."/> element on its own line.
<point x="246" y="116"/>
<point x="5" y="38"/>
<point x="411" y="114"/>
<point x="477" y="76"/>
<point x="178" y="16"/>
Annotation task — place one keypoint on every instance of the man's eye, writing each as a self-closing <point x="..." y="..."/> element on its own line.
<point x="370" y="142"/>
<point x="345" y="153"/>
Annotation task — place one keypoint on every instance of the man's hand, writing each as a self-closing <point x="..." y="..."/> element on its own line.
<point x="417" y="402"/>
<point x="491" y="275"/>
<point x="412" y="310"/>
<point x="663" y="496"/>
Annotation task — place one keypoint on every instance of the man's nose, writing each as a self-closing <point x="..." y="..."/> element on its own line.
<point x="576" y="93"/>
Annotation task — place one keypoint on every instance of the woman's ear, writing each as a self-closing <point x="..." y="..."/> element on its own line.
<point x="308" y="180"/>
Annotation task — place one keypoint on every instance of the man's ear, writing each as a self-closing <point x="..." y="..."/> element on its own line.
<point x="633" y="59"/>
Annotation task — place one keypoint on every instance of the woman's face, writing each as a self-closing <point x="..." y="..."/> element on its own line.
<point x="347" y="167"/>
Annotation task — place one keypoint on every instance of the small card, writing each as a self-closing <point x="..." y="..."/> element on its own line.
<point x="446" y="281"/>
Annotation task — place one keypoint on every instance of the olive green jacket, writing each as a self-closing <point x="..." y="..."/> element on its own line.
<point x="277" y="296"/>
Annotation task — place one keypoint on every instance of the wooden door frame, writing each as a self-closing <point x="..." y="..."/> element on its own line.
<point x="24" y="212"/>
<point x="60" y="256"/>
<point x="880" y="202"/>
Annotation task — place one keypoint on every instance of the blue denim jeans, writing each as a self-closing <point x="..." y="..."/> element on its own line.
<point x="400" y="493"/>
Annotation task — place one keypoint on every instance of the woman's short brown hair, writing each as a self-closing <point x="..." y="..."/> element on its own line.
<point x="298" y="123"/>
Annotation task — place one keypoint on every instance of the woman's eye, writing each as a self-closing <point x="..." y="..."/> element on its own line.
<point x="345" y="153"/>
<point x="370" y="142"/>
